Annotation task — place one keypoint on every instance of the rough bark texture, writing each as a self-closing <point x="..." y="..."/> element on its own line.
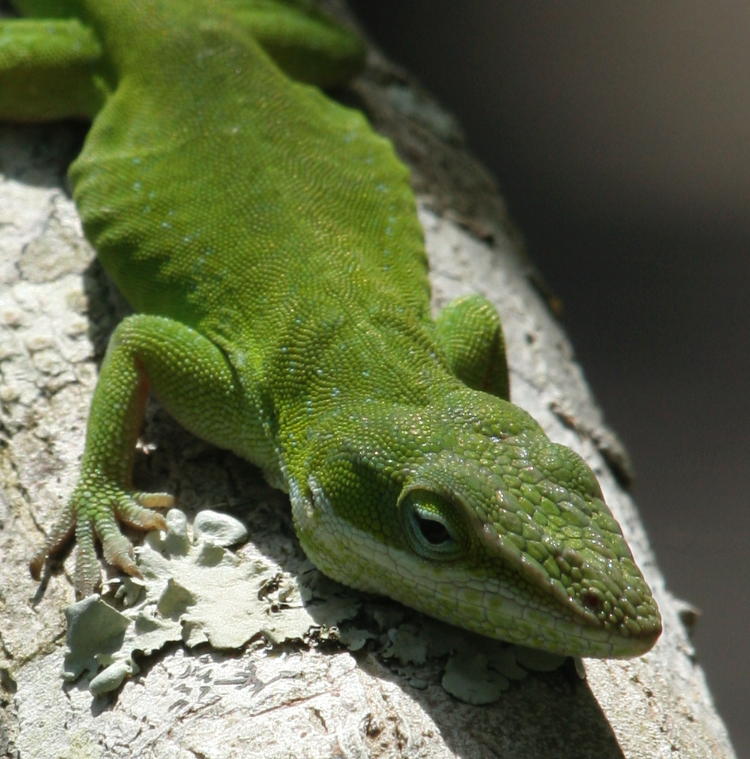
<point x="312" y="699"/>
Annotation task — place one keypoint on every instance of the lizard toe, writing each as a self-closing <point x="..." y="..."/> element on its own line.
<point x="60" y="535"/>
<point x="136" y="510"/>
<point x="87" y="574"/>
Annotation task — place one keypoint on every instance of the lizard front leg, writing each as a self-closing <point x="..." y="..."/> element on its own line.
<point x="196" y="384"/>
<point x="471" y="336"/>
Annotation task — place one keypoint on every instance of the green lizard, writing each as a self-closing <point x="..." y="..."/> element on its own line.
<point x="268" y="242"/>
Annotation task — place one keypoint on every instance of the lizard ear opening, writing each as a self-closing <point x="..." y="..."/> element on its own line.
<point x="432" y="524"/>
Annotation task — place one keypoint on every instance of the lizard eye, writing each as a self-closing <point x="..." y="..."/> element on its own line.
<point x="430" y="525"/>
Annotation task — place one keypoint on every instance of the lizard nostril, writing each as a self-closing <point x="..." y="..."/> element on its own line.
<point x="591" y="600"/>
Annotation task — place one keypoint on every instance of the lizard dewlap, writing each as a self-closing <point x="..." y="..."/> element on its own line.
<point x="268" y="242"/>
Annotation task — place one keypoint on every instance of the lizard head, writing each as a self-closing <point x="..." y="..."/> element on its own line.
<point x="466" y="511"/>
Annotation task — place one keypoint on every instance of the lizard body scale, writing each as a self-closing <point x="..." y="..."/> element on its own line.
<point x="268" y="242"/>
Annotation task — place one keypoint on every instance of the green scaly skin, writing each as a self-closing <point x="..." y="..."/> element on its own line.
<point x="268" y="241"/>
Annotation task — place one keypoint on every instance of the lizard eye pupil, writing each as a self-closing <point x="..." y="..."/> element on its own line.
<point x="434" y="532"/>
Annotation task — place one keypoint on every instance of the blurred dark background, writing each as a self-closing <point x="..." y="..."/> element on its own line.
<point x="620" y="136"/>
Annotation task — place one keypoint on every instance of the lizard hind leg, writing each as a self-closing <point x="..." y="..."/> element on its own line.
<point x="49" y="70"/>
<point x="469" y="332"/>
<point x="304" y="42"/>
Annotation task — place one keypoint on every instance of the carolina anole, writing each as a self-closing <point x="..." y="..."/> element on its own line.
<point x="267" y="238"/>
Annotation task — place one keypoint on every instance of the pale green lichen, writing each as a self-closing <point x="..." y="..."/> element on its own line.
<point x="194" y="592"/>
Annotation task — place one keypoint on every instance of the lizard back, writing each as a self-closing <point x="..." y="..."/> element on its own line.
<point x="315" y="211"/>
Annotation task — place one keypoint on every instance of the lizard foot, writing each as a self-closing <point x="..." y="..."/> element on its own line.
<point x="93" y="512"/>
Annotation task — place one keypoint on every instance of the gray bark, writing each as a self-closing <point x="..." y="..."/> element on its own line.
<point x="292" y="688"/>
